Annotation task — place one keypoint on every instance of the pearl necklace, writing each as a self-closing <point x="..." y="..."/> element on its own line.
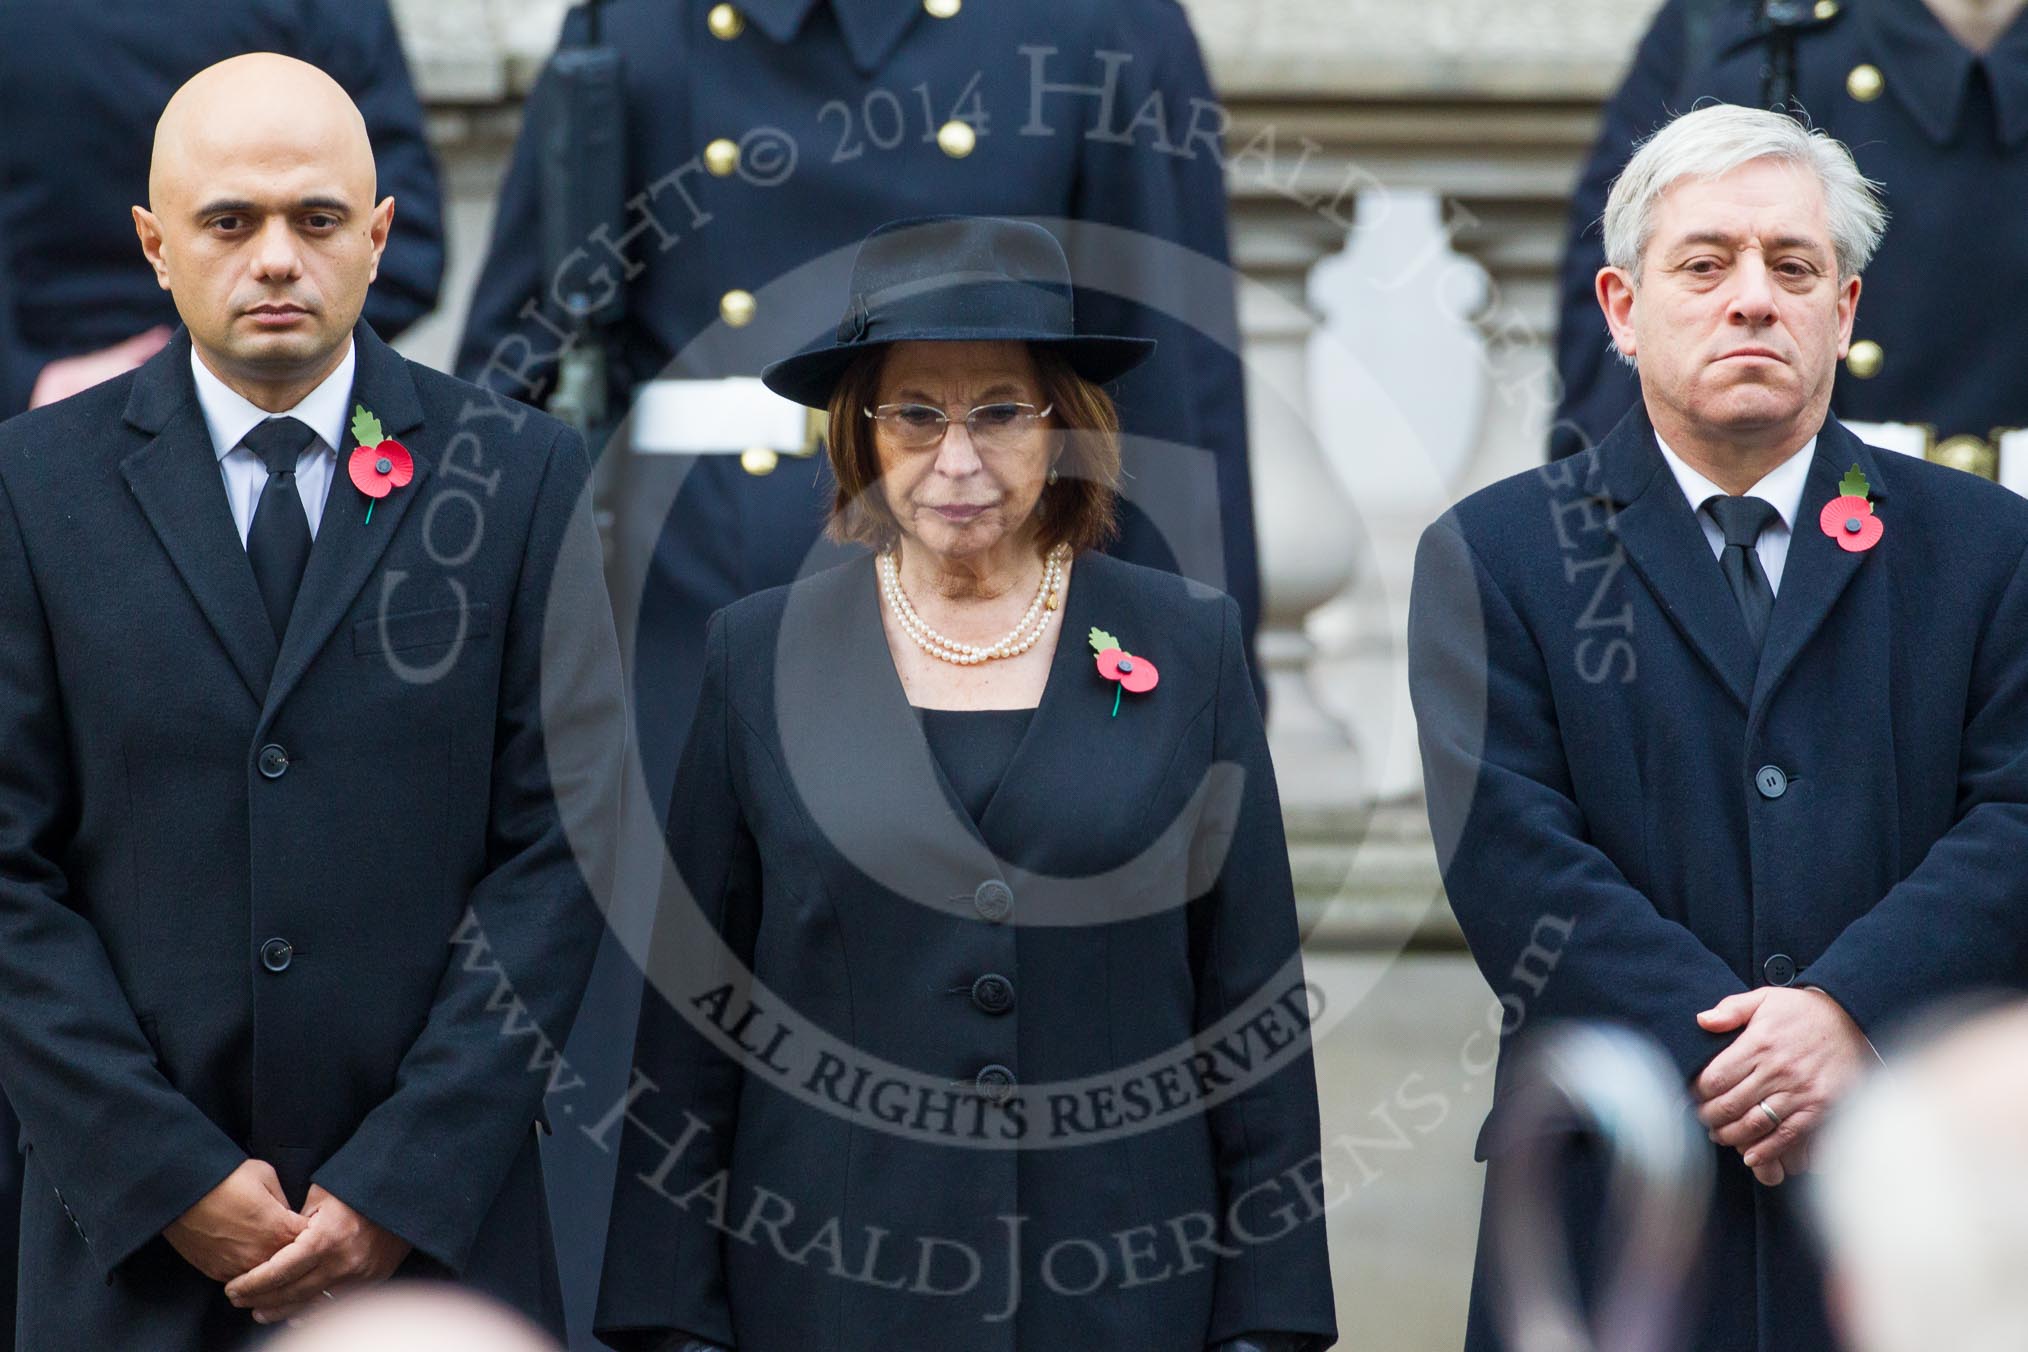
<point x="1017" y="640"/>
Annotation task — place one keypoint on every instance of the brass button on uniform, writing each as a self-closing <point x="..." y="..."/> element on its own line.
<point x="957" y="139"/>
<point x="1973" y="455"/>
<point x="1865" y="359"/>
<point x="943" y="9"/>
<point x="725" y="22"/>
<point x="721" y="157"/>
<point x="1865" y="83"/>
<point x="758" y="461"/>
<point x="737" y="308"/>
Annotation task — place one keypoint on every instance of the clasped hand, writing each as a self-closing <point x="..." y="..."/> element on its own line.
<point x="1797" y="1051"/>
<point x="274" y="1261"/>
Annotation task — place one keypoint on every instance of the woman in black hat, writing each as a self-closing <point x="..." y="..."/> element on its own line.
<point x="982" y="1022"/>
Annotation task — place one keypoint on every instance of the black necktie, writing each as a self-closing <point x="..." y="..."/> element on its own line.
<point x="278" y="542"/>
<point x="1742" y="520"/>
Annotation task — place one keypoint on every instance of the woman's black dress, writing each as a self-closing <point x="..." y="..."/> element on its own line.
<point x="974" y="748"/>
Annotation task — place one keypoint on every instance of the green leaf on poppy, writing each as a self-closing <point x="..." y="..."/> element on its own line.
<point x="1854" y="485"/>
<point x="1101" y="640"/>
<point x="366" y="427"/>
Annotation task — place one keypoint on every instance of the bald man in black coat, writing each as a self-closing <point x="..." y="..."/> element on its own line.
<point x="310" y="725"/>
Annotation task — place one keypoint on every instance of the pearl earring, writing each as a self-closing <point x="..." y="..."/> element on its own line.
<point x="1052" y="476"/>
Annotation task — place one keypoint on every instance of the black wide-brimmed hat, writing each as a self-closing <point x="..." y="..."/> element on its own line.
<point x="948" y="279"/>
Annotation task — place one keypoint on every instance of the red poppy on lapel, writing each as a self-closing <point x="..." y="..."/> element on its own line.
<point x="1133" y="673"/>
<point x="1849" y="518"/>
<point x="380" y="464"/>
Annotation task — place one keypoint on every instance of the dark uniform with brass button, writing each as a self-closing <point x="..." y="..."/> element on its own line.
<point x="1936" y="347"/>
<point x="765" y="140"/>
<point x="316" y="898"/>
<point x="80" y="88"/>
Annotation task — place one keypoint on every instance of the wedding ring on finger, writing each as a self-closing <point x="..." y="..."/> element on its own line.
<point x="1774" y="1120"/>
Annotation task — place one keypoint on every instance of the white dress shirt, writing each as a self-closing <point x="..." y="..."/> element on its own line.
<point x="229" y="417"/>
<point x="1782" y="488"/>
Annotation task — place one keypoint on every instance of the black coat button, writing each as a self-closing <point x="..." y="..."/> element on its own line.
<point x="996" y="1082"/>
<point x="1771" y="780"/>
<point x="993" y="900"/>
<point x="1780" y="969"/>
<point x="276" y="954"/>
<point x="993" y="993"/>
<point x="273" y="762"/>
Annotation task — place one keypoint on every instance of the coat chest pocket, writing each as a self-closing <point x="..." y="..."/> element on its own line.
<point x="421" y="628"/>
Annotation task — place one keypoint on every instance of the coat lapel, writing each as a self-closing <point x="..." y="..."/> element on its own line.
<point x="175" y="479"/>
<point x="874" y="670"/>
<point x="887" y="731"/>
<point x="1667" y="548"/>
<point x="1061" y="719"/>
<point x="1067" y="723"/>
<point x="1818" y="570"/>
<point x="348" y="546"/>
<point x="1076" y="765"/>
<point x="854" y="749"/>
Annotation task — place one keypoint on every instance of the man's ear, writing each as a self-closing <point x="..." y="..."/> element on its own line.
<point x="377" y="230"/>
<point x="1848" y="311"/>
<point x="1615" y="287"/>
<point x="150" y="231"/>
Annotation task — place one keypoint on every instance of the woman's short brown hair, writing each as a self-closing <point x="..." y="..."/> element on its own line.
<point x="1077" y="510"/>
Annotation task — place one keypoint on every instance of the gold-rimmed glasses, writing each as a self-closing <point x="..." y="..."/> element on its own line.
<point x="996" y="426"/>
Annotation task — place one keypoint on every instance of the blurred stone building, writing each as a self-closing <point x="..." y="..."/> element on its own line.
<point x="1399" y="173"/>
